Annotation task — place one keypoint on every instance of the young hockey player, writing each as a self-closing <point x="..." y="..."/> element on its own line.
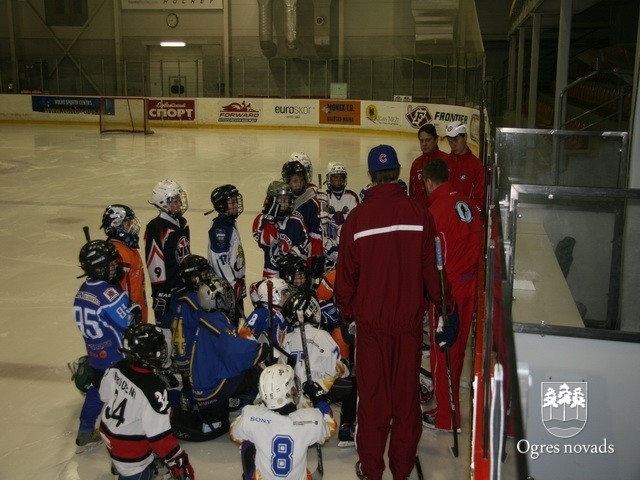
<point x="278" y="230"/>
<point x="304" y="159"/>
<point x="324" y="354"/>
<point x="276" y="434"/>
<point x="340" y="201"/>
<point x="122" y="227"/>
<point x="307" y="204"/>
<point x="295" y="271"/>
<point x="167" y="243"/>
<point x="334" y="323"/>
<point x="194" y="270"/>
<point x="135" y="420"/>
<point x="101" y="311"/>
<point x="226" y="255"/>
<point x="261" y="320"/>
<point x="223" y="364"/>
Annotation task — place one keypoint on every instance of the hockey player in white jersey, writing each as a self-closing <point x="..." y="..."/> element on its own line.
<point x="226" y="254"/>
<point x="340" y="202"/>
<point x="323" y="351"/>
<point x="276" y="434"/>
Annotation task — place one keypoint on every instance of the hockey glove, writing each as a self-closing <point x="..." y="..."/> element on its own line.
<point x="314" y="392"/>
<point x="348" y="328"/>
<point x="136" y="312"/>
<point x="329" y="316"/>
<point x="180" y="467"/>
<point x="160" y="303"/>
<point x="239" y="289"/>
<point x="270" y="210"/>
<point x="446" y="334"/>
<point x="317" y="267"/>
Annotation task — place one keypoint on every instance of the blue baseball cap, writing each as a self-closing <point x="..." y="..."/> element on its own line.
<point x="382" y="157"/>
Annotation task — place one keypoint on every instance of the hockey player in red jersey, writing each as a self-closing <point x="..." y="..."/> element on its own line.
<point x="122" y="226"/>
<point x="459" y="227"/>
<point x="466" y="172"/>
<point x="279" y="230"/>
<point x="307" y="205"/>
<point x="135" y="420"/>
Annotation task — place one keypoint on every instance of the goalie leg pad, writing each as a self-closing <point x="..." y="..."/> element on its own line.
<point x="190" y="427"/>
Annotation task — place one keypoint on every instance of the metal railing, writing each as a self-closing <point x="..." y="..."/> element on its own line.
<point x="453" y="80"/>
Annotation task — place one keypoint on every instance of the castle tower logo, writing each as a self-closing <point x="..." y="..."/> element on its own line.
<point x="564" y="407"/>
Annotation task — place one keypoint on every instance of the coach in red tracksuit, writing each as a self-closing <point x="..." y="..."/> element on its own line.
<point x="466" y="172"/>
<point x="428" y="138"/>
<point x="385" y="267"/>
<point x="459" y="226"/>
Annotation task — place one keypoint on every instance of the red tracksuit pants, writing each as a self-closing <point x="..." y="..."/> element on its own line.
<point x="466" y="307"/>
<point x="387" y="369"/>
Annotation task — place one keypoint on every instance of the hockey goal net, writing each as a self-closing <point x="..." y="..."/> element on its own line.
<point x="124" y="114"/>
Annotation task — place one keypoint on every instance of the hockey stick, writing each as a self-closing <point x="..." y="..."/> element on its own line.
<point x="445" y="321"/>
<point x="270" y="359"/>
<point x="419" y="468"/>
<point x="85" y="229"/>
<point x="319" y="472"/>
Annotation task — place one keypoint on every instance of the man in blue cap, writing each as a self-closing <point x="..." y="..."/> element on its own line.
<point x="386" y="264"/>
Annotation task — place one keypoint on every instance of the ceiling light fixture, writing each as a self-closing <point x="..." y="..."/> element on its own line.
<point x="173" y="44"/>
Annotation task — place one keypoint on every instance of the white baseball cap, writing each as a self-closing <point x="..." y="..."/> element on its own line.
<point x="454" y="129"/>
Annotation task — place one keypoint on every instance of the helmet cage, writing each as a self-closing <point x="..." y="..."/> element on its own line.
<point x="96" y="258"/>
<point x="336" y="177"/>
<point x="168" y="192"/>
<point x="280" y="292"/>
<point x="120" y="222"/>
<point x="194" y="270"/>
<point x="220" y="198"/>
<point x="302" y="301"/>
<point x="216" y="294"/>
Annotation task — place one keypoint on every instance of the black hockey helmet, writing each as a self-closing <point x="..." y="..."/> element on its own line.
<point x="293" y="270"/>
<point x="220" y="197"/>
<point x="215" y="293"/>
<point x="144" y="344"/>
<point x="194" y="269"/>
<point x="95" y="260"/>
<point x="302" y="303"/>
<point x="292" y="168"/>
<point x="120" y="222"/>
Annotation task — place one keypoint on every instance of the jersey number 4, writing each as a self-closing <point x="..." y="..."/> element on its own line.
<point x="116" y="410"/>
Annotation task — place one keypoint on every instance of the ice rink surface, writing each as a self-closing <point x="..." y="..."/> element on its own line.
<point x="54" y="179"/>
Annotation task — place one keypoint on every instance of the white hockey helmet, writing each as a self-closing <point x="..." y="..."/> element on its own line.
<point x="336" y="177"/>
<point x="279" y="386"/>
<point x="280" y="292"/>
<point x="169" y="197"/>
<point x="304" y="159"/>
<point x="454" y="129"/>
<point x="216" y="294"/>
